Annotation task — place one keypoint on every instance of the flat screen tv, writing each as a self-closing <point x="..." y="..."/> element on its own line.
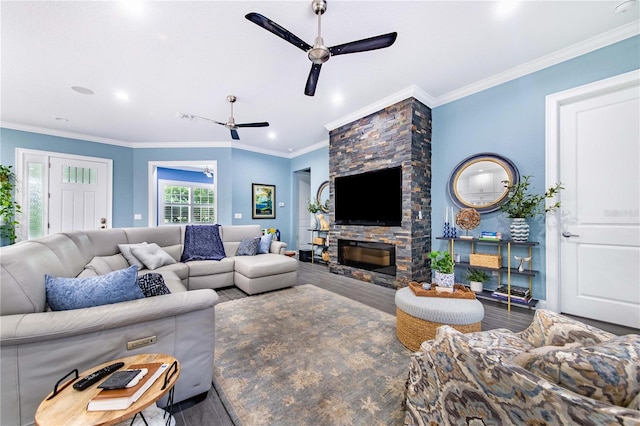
<point x="370" y="198"/>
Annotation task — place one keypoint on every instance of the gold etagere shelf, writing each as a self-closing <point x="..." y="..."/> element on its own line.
<point x="508" y="269"/>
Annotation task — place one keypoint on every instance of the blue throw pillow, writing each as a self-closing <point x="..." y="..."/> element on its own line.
<point x="265" y="243"/>
<point x="202" y="242"/>
<point x="77" y="293"/>
<point x="248" y="247"/>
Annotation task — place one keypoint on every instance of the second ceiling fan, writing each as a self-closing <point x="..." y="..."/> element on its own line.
<point x="230" y="124"/>
<point x="319" y="53"/>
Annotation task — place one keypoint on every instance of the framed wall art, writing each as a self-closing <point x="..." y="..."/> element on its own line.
<point x="263" y="201"/>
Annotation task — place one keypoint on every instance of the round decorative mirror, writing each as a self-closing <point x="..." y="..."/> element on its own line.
<point x="323" y="196"/>
<point x="480" y="182"/>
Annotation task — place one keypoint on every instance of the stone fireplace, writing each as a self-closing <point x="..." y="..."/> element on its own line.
<point x="399" y="135"/>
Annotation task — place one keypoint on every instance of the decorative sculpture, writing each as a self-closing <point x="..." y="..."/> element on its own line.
<point x="522" y="261"/>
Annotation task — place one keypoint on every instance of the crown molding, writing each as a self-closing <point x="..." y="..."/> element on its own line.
<point x="63" y="134"/>
<point x="309" y="148"/>
<point x="139" y="145"/>
<point x="411" y="91"/>
<point x="602" y="40"/>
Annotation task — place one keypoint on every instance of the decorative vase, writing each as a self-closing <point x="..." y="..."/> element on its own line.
<point x="476" y="286"/>
<point x="519" y="229"/>
<point x="444" y="280"/>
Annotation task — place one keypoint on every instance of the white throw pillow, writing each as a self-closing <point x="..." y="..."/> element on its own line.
<point x="152" y="256"/>
<point x="125" y="249"/>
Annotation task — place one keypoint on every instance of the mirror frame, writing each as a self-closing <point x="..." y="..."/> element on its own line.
<point x="324" y="185"/>
<point x="512" y="176"/>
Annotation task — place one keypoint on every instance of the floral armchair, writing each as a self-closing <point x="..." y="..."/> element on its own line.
<point x="557" y="371"/>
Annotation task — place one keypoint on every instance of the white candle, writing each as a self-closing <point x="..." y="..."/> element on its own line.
<point x="446" y="214"/>
<point x="453" y="217"/>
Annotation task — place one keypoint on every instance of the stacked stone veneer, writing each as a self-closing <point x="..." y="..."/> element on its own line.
<point x="399" y="135"/>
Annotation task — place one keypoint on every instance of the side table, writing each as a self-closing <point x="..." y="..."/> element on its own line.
<point x="69" y="406"/>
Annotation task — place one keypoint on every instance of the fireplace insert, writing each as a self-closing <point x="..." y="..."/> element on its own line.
<point x="372" y="256"/>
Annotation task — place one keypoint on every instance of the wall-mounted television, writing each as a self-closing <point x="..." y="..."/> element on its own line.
<point x="370" y="198"/>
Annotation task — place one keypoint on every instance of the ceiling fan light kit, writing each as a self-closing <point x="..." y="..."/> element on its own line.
<point x="319" y="53"/>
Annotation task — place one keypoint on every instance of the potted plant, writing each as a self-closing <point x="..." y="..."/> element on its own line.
<point x="443" y="265"/>
<point x="8" y="206"/>
<point x="476" y="278"/>
<point x="314" y="206"/>
<point x="522" y="205"/>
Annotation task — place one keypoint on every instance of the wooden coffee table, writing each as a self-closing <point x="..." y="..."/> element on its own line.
<point x="69" y="407"/>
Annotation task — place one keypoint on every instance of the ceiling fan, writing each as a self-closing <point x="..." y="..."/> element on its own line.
<point x="319" y="53"/>
<point x="230" y="124"/>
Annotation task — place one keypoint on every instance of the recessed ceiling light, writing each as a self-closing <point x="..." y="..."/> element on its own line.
<point x="271" y="135"/>
<point x="624" y="6"/>
<point x="506" y="7"/>
<point x="337" y="98"/>
<point x="133" y="8"/>
<point x="82" y="90"/>
<point x="123" y="96"/>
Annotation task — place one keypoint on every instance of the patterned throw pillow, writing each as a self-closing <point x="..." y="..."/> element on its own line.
<point x="152" y="284"/>
<point x="77" y="293"/>
<point x="248" y="247"/>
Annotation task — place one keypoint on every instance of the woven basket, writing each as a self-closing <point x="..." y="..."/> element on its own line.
<point x="412" y="331"/>
<point x="485" y="260"/>
<point x="319" y="241"/>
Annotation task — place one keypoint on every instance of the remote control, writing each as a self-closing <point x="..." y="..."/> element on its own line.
<point x="87" y="381"/>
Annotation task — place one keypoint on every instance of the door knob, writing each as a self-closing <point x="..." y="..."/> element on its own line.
<point x="568" y="234"/>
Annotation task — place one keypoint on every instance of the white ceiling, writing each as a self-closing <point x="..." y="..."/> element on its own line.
<point x="188" y="56"/>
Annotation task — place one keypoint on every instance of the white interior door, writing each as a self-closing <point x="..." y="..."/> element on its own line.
<point x="78" y="194"/>
<point x="599" y="166"/>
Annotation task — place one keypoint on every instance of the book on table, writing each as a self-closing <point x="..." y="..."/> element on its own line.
<point x="120" y="399"/>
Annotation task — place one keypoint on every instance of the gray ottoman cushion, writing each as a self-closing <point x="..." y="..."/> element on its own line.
<point x="441" y="310"/>
<point x="264" y="265"/>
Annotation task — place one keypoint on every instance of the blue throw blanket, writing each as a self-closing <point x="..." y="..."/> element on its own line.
<point x="202" y="242"/>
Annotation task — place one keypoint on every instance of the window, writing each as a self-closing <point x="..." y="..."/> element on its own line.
<point x="186" y="202"/>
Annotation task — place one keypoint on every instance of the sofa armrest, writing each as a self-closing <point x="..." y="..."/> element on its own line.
<point x="549" y="328"/>
<point x="277" y="247"/>
<point x="36" y="327"/>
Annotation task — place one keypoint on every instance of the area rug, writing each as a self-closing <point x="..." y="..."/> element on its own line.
<point x="307" y="356"/>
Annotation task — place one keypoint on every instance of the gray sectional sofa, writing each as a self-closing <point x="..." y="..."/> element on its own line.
<point x="39" y="346"/>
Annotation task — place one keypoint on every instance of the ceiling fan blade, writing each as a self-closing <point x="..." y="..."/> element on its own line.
<point x="197" y="117"/>
<point x="312" y="80"/>
<point x="234" y="134"/>
<point x="263" y="124"/>
<point x="372" y="43"/>
<point x="276" y="29"/>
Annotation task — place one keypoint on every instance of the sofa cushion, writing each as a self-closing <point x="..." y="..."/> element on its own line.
<point x="248" y="247"/>
<point x="152" y="284"/>
<point x="125" y="249"/>
<point x="202" y="242"/>
<point x="608" y="371"/>
<point x="210" y="267"/>
<point x="265" y="243"/>
<point x="105" y="264"/>
<point x="264" y="264"/>
<point x="152" y="256"/>
<point x="76" y="293"/>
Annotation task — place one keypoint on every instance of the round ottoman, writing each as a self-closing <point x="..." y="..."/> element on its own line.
<point x="417" y="318"/>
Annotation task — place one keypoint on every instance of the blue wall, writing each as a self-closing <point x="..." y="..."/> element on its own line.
<point x="509" y="119"/>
